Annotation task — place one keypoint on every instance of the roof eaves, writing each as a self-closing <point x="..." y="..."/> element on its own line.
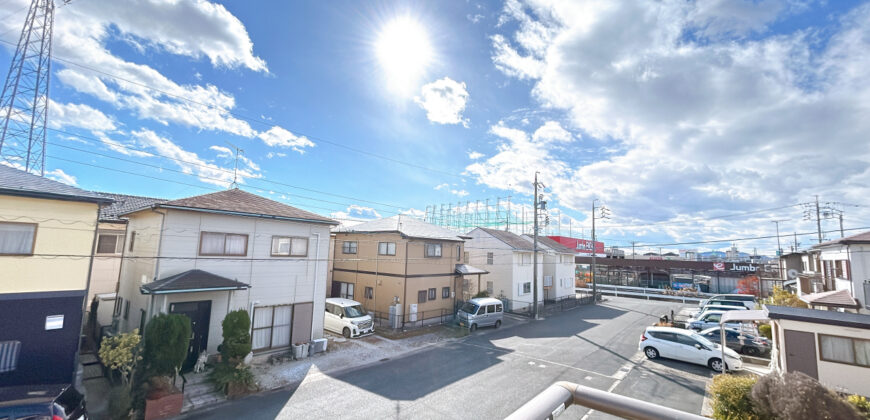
<point x="54" y="196"/>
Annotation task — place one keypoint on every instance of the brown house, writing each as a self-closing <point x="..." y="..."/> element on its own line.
<point x="402" y="262"/>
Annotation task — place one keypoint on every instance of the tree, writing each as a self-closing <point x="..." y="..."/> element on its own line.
<point x="237" y="339"/>
<point x="781" y="297"/>
<point x="749" y="285"/>
<point x="167" y="338"/>
<point x="121" y="354"/>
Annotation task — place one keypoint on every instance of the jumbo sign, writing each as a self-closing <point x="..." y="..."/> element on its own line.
<point x="719" y="266"/>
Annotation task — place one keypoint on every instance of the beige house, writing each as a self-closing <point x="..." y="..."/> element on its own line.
<point x="399" y="262"/>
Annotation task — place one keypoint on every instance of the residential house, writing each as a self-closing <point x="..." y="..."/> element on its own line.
<point x="47" y="234"/>
<point x="108" y="252"/>
<point x="844" y="264"/>
<point x="206" y="255"/>
<point x="558" y="268"/>
<point x="399" y="262"/>
<point x="508" y="258"/>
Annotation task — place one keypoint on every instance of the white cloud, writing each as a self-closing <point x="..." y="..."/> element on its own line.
<point x="459" y="193"/>
<point x="444" y="101"/>
<point x="442" y="186"/>
<point x="354" y="215"/>
<point x="61" y="176"/>
<point x="122" y="147"/>
<point x="78" y="115"/>
<point x="475" y="155"/>
<point x="223" y="152"/>
<point x="277" y="136"/>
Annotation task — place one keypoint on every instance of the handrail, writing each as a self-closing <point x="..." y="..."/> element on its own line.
<point x="555" y="399"/>
<point x="616" y="292"/>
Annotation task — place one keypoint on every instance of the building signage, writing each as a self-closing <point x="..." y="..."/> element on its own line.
<point x="580" y="246"/>
<point x="743" y="267"/>
<point x="718" y="266"/>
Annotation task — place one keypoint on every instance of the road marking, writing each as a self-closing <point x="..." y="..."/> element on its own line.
<point x="527" y="356"/>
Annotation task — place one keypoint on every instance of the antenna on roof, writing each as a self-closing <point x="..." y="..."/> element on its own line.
<point x="238" y="151"/>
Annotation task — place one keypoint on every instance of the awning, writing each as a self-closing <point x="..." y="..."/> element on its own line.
<point x="743" y="316"/>
<point x="192" y="281"/>
<point x="467" y="269"/>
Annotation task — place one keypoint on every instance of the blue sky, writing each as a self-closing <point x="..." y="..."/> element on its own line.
<point x="671" y="113"/>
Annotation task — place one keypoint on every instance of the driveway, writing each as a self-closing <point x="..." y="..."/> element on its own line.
<point x="493" y="372"/>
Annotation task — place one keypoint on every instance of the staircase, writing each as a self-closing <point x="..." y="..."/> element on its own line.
<point x="199" y="392"/>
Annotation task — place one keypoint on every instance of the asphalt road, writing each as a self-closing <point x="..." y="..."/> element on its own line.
<point x="493" y="372"/>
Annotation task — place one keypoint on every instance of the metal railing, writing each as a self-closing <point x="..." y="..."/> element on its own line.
<point x="559" y="396"/>
<point x="559" y="304"/>
<point x="645" y="293"/>
<point x="420" y="319"/>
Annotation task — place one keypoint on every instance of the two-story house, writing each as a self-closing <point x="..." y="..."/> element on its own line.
<point x="844" y="264"/>
<point x="47" y="232"/>
<point x="206" y="255"/>
<point x="558" y="268"/>
<point x="401" y="262"/>
<point x="508" y="259"/>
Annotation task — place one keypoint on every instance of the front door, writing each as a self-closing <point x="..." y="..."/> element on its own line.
<point x="800" y="353"/>
<point x="200" y="315"/>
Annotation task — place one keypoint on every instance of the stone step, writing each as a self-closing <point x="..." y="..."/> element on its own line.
<point x="196" y="378"/>
<point x="194" y="390"/>
<point x="201" y="401"/>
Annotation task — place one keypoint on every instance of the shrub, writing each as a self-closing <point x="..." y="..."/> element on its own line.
<point x="237" y="339"/>
<point x="861" y="404"/>
<point x="121" y="354"/>
<point x="730" y="395"/>
<point x="238" y="375"/>
<point x="120" y="403"/>
<point x="167" y="337"/>
<point x="482" y="294"/>
<point x="781" y="297"/>
<point x="766" y="331"/>
<point x="796" y="396"/>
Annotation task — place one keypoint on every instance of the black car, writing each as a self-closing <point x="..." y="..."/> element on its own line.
<point x="42" y="402"/>
<point x="739" y="341"/>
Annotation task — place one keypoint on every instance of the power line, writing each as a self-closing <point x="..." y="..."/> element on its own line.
<point x="745" y="238"/>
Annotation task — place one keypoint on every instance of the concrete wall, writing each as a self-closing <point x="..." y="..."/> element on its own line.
<point x="839" y="376"/>
<point x="64" y="228"/>
<point x="139" y="264"/>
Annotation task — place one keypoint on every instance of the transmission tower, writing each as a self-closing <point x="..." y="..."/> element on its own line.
<point x="24" y="101"/>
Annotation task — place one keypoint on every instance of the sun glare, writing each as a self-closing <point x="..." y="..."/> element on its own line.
<point x="404" y="52"/>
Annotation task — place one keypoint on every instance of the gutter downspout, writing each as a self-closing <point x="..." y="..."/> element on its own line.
<point x="156" y="263"/>
<point x="87" y="290"/>
<point x="405" y="284"/>
<point x="316" y="260"/>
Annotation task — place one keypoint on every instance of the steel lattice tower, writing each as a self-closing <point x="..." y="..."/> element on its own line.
<point x="24" y="101"/>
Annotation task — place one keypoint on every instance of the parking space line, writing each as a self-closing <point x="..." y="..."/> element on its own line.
<point x="527" y="356"/>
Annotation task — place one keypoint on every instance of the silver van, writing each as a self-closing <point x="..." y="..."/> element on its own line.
<point x="481" y="312"/>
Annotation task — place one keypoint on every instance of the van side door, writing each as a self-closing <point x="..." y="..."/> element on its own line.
<point x="491" y="315"/>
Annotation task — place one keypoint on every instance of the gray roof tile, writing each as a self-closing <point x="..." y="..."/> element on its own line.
<point x="17" y="182"/>
<point x="551" y="244"/>
<point x="817" y="316"/>
<point x="192" y="280"/>
<point x="244" y="203"/>
<point x="515" y="241"/>
<point x="125" y="204"/>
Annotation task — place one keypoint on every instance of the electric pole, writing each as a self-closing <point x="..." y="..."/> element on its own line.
<point x="535" y="253"/>
<point x="818" y="219"/>
<point x="778" y="246"/>
<point x="604" y="215"/>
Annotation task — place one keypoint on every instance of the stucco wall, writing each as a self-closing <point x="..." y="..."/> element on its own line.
<point x="107" y="267"/>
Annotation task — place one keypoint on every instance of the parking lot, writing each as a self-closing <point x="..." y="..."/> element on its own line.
<point x="493" y="372"/>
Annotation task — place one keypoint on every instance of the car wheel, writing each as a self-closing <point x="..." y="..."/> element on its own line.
<point x="473" y="327"/>
<point x="750" y="351"/>
<point x="498" y="323"/>
<point x="651" y="353"/>
<point x="715" y="364"/>
<point x="346" y="332"/>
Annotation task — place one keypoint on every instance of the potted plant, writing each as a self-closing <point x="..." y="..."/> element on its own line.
<point x="232" y="375"/>
<point x="167" y="338"/>
<point x="121" y="354"/>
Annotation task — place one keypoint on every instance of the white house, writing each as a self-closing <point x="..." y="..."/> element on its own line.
<point x="508" y="259"/>
<point x="558" y="270"/>
<point x="206" y="255"/>
<point x="844" y="264"/>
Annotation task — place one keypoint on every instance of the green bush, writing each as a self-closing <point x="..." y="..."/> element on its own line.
<point x="120" y="403"/>
<point x="795" y="396"/>
<point x="730" y="395"/>
<point x="237" y="339"/>
<point x="239" y="374"/>
<point x="766" y="331"/>
<point x="167" y="337"/>
<point x="782" y="297"/>
<point x="861" y="404"/>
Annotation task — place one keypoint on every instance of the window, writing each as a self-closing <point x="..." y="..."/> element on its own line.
<point x="127" y="310"/>
<point x="713" y="318"/>
<point x="110" y="243"/>
<point x="9" y="355"/>
<point x="458" y="252"/>
<point x="526" y="288"/>
<point x="370" y="293"/>
<point x="213" y="243"/>
<point x="432" y="292"/>
<point x="433" y="250"/>
<point x="853" y="351"/>
<point x="17" y="238"/>
<point x="288" y="246"/>
<point x="386" y="248"/>
<point x="132" y="239"/>
<point x="345" y="290"/>
<point x="271" y="327"/>
<point x="348" y="247"/>
<point x="686" y="340"/>
<point x="548" y="281"/>
<point x="119" y="303"/>
<point x="421" y="296"/>
<point x="490" y="309"/>
<point x="568" y="259"/>
<point x="465" y="256"/>
<point x="445" y="292"/>
<point x="489" y="287"/>
<point x="489" y="258"/>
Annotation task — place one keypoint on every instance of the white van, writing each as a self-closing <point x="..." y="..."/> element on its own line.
<point x="347" y="317"/>
<point x="481" y="312"/>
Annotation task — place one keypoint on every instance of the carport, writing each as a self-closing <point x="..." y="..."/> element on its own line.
<point x="742" y="317"/>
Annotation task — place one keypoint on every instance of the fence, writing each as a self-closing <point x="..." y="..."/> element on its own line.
<point x="560" y="304"/>
<point x="646" y="293"/>
<point x="420" y="319"/>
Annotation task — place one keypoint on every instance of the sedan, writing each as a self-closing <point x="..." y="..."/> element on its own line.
<point x="680" y="344"/>
<point x="708" y="319"/>
<point x="739" y="341"/>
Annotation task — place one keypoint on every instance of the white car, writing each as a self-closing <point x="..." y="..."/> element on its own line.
<point x="708" y="319"/>
<point x="695" y="313"/>
<point x="347" y="317"/>
<point x="747" y="300"/>
<point x="680" y="344"/>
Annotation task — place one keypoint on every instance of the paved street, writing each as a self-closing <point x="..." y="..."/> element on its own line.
<point x="491" y="373"/>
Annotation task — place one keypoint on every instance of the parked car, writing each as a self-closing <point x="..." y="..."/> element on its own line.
<point x="708" y="319"/>
<point x="739" y="341"/>
<point x="695" y="313"/>
<point x="55" y="402"/>
<point x="748" y="300"/>
<point x="347" y="317"/>
<point x="724" y="302"/>
<point x="680" y="344"/>
<point x="481" y="312"/>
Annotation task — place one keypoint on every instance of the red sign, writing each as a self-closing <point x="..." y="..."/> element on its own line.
<point x="720" y="266"/>
<point x="580" y="246"/>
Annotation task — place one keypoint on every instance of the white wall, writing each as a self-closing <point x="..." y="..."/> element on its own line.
<point x="501" y="271"/>
<point x="859" y="268"/>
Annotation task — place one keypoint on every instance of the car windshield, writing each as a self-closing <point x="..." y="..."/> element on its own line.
<point x="703" y="340"/>
<point x="469" y="308"/>
<point x="354" y="311"/>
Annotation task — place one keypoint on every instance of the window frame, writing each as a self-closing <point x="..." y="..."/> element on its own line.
<point x="433" y="293"/>
<point x="523" y="285"/>
<point x="421" y="296"/>
<point x="33" y="240"/>
<point x="345" y="249"/>
<point x="459" y="253"/>
<point x="490" y="258"/>
<point x="854" y="350"/>
<point x="369" y="292"/>
<point x="271" y="328"/>
<point x="387" y="251"/>
<point x="290" y="253"/>
<point x="445" y="292"/>
<point x="433" y="244"/>
<point x="224" y="254"/>
<point x="119" y="243"/>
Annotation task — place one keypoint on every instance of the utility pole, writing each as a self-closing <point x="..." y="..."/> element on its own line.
<point x="778" y="246"/>
<point x="604" y="215"/>
<point x="633" y="243"/>
<point x="535" y="254"/>
<point x="818" y="219"/>
<point x="795" y="242"/>
<point x="841" y="224"/>
<point x="507" y="223"/>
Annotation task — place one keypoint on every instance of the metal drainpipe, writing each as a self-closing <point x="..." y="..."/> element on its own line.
<point x="316" y="260"/>
<point x="405" y="291"/>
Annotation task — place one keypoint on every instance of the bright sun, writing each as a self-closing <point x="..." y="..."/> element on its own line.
<point x="404" y="53"/>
